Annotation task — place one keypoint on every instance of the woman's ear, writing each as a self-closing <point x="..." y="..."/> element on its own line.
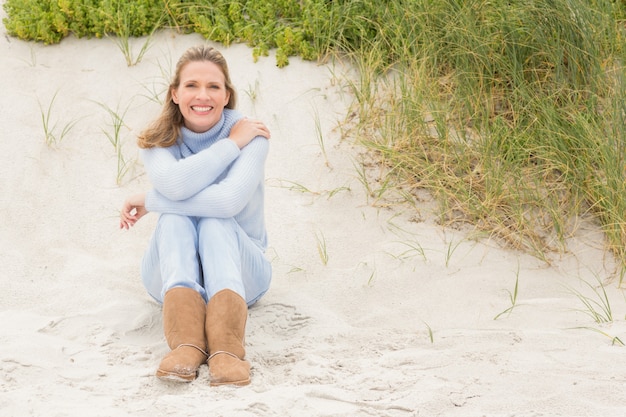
<point x="174" y="95"/>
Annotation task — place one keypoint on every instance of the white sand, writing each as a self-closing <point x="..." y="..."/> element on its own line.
<point x="80" y="337"/>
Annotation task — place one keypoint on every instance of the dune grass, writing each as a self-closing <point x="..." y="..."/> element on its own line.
<point x="113" y="132"/>
<point x="54" y="134"/>
<point x="509" y="112"/>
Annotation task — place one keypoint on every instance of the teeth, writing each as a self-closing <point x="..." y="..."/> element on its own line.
<point x="198" y="108"/>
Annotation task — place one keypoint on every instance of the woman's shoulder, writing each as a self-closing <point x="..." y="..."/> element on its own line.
<point x="232" y="115"/>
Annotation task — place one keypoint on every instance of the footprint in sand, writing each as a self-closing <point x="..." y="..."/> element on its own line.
<point x="279" y="320"/>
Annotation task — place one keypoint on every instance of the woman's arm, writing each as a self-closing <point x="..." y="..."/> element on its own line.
<point x="178" y="179"/>
<point x="226" y="198"/>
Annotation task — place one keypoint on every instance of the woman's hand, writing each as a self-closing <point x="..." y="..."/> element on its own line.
<point x="246" y="129"/>
<point x="134" y="208"/>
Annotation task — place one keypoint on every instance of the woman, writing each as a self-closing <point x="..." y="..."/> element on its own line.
<point x="205" y="261"/>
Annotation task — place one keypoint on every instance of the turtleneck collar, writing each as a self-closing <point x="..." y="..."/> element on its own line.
<point x="192" y="142"/>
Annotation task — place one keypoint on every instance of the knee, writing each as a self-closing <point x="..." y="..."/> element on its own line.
<point x="174" y="222"/>
<point x="211" y="225"/>
<point x="170" y="218"/>
<point x="213" y="232"/>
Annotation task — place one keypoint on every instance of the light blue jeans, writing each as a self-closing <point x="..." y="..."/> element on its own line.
<point x="205" y="254"/>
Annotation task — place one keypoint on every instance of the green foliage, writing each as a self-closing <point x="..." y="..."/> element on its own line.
<point x="306" y="28"/>
<point x="51" y="21"/>
<point x="262" y="24"/>
<point x="33" y="20"/>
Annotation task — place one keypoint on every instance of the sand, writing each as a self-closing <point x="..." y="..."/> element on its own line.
<point x="373" y="311"/>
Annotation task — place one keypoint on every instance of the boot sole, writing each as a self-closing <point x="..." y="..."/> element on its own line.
<point x="236" y="383"/>
<point x="170" y="376"/>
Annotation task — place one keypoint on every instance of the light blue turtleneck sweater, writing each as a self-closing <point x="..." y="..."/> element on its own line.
<point x="207" y="175"/>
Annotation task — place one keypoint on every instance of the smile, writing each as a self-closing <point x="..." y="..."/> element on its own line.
<point x="201" y="108"/>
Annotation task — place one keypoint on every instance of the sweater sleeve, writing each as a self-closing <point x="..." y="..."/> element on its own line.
<point x="226" y="198"/>
<point x="179" y="179"/>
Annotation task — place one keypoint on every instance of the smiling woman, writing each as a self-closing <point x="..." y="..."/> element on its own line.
<point x="205" y="262"/>
<point x="201" y="95"/>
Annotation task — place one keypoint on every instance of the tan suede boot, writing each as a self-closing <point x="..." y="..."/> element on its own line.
<point x="226" y="317"/>
<point x="183" y="323"/>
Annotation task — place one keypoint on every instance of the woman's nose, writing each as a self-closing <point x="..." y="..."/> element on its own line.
<point x="203" y="93"/>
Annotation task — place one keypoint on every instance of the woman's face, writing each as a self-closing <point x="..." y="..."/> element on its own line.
<point x="201" y="95"/>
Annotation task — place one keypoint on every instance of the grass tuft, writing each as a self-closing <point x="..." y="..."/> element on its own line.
<point x="598" y="306"/>
<point x="115" y="138"/>
<point x="53" y="134"/>
<point x="322" y="248"/>
<point x="512" y="297"/>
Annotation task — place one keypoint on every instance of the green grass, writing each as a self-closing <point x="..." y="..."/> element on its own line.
<point x="615" y="340"/>
<point x="156" y="89"/>
<point x="53" y="133"/>
<point x="114" y="135"/>
<point x="431" y="336"/>
<point x="414" y="248"/>
<point x="320" y="136"/>
<point x="597" y="306"/>
<point x="322" y="248"/>
<point x="512" y="298"/>
<point x="511" y="113"/>
<point x="301" y="188"/>
<point x="121" y="21"/>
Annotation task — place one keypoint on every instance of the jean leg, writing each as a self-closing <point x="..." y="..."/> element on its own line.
<point x="171" y="259"/>
<point x="231" y="260"/>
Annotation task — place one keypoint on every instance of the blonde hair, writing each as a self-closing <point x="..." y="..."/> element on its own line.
<point x="165" y="129"/>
